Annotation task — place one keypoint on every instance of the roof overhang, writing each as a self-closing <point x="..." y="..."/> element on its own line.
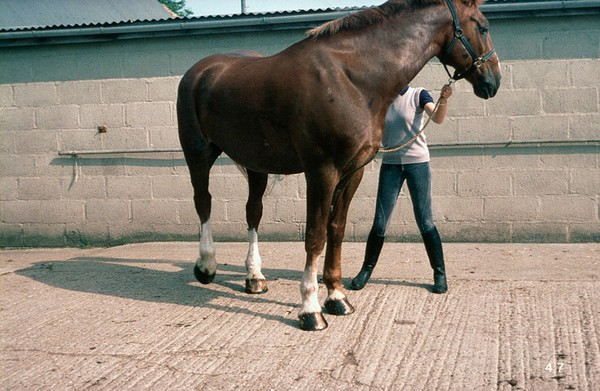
<point x="261" y="22"/>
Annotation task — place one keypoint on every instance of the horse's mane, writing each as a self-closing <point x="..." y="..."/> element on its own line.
<point x="367" y="17"/>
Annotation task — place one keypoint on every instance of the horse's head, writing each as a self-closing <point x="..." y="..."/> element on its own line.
<point x="468" y="48"/>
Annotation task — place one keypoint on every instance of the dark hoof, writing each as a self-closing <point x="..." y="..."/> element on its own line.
<point x="339" y="307"/>
<point x="203" y="277"/>
<point x="313" y="321"/>
<point x="256" y="286"/>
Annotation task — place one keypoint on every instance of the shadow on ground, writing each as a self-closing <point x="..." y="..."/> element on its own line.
<point x="162" y="281"/>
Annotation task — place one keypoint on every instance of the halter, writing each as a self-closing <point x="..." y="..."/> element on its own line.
<point x="459" y="35"/>
<point x="477" y="62"/>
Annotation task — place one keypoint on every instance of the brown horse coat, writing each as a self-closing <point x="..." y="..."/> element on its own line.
<point x="317" y="107"/>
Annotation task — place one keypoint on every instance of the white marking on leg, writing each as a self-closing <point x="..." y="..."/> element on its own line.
<point x="253" y="260"/>
<point x="207" y="262"/>
<point x="337" y="295"/>
<point x="309" y="289"/>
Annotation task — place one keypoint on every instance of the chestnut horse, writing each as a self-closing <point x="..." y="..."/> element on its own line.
<point x="318" y="108"/>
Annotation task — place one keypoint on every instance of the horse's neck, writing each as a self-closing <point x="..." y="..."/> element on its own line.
<point x="393" y="52"/>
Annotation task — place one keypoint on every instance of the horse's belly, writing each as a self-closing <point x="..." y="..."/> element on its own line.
<point x="263" y="158"/>
<point x="255" y="143"/>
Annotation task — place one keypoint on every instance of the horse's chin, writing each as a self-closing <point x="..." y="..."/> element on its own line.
<point x="487" y="86"/>
<point x="486" y="90"/>
<point x="483" y="94"/>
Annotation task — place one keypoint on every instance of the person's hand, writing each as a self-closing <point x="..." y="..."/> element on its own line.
<point x="446" y="92"/>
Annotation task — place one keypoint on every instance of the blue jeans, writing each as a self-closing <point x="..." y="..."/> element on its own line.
<point x="391" y="179"/>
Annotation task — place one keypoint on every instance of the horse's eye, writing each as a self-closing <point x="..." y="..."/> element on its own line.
<point x="483" y="30"/>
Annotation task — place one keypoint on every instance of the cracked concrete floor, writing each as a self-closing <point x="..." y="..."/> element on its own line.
<point x="517" y="317"/>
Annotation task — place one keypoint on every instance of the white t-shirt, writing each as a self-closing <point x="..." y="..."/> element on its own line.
<point x="403" y="121"/>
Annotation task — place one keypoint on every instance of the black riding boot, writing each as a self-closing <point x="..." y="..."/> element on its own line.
<point x="433" y="245"/>
<point x="374" y="245"/>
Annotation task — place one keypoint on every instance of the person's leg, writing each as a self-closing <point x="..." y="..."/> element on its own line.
<point x="390" y="182"/>
<point x="418" y="178"/>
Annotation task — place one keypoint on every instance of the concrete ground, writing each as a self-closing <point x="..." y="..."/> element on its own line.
<point x="516" y="317"/>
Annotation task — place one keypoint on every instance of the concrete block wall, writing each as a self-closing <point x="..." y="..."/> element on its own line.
<point x="52" y="200"/>
<point x="530" y="193"/>
<point x="546" y="192"/>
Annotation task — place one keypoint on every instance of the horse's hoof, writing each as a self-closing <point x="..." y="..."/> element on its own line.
<point x="204" y="278"/>
<point x="339" y="307"/>
<point x="313" y="321"/>
<point x="256" y="286"/>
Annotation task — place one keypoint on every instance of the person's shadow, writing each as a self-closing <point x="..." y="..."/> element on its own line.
<point x="122" y="277"/>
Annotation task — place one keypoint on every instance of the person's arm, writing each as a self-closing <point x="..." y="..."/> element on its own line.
<point x="439" y="115"/>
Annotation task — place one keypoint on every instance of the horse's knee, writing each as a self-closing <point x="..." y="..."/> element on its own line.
<point x="314" y="243"/>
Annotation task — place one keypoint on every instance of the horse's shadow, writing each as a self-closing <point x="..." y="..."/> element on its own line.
<point x="138" y="279"/>
<point x="122" y="277"/>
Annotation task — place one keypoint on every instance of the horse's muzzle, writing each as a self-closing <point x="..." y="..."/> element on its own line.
<point x="487" y="88"/>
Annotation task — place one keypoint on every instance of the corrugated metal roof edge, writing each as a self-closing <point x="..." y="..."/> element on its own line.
<point x="261" y="21"/>
<point x="190" y="19"/>
<point x="82" y="25"/>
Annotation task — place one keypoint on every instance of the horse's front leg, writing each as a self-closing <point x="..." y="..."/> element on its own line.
<point x="255" y="280"/>
<point x="337" y="302"/>
<point x="318" y="203"/>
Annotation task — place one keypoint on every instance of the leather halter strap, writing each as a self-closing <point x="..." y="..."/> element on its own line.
<point x="460" y="36"/>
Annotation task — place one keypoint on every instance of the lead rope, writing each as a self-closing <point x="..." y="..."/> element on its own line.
<point x="416" y="136"/>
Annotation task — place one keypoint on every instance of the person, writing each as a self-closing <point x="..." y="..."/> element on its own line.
<point x="403" y="122"/>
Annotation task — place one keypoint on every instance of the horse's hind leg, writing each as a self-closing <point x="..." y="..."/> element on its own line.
<point x="199" y="165"/>
<point x="255" y="281"/>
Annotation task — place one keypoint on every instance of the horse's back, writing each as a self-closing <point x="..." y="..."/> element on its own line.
<point x="279" y="114"/>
